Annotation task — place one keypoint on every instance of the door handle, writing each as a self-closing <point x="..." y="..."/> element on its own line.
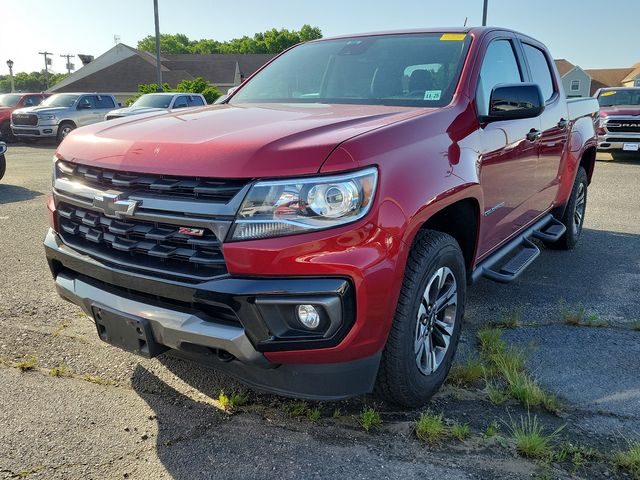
<point x="534" y="135"/>
<point x="563" y="123"/>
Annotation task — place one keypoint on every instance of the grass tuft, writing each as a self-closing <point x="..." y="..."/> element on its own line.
<point x="314" y="414"/>
<point x="27" y="364"/>
<point x="531" y="439"/>
<point x="511" y="318"/>
<point x="430" y="427"/>
<point x="337" y="413"/>
<point x="461" y="431"/>
<point x="492" y="430"/>
<point x="98" y="380"/>
<point x="490" y="340"/>
<point x="296" y="409"/>
<point x="59" y="329"/>
<point x="468" y="373"/>
<point x="629" y="460"/>
<point x="370" y="419"/>
<point x="635" y="325"/>
<point x="60" y="371"/>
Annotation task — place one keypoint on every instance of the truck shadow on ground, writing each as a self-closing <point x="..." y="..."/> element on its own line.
<point x="15" y="193"/>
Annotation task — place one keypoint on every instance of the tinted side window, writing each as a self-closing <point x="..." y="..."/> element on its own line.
<point x="195" y="101"/>
<point x="32" y="100"/>
<point x="499" y="66"/>
<point x="539" y="69"/>
<point x="180" y="102"/>
<point x="103" y="101"/>
<point x="86" y="100"/>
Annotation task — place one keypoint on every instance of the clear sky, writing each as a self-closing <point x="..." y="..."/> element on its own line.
<point x="590" y="33"/>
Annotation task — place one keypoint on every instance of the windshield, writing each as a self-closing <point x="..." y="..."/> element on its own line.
<point x="609" y="98"/>
<point x="153" y="101"/>
<point x="410" y="70"/>
<point x="9" y="100"/>
<point x="60" y="100"/>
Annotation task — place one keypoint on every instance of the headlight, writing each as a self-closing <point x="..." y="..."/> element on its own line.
<point x="48" y="116"/>
<point x="284" y="207"/>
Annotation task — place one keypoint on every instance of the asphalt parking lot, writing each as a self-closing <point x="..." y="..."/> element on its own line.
<point x="113" y="415"/>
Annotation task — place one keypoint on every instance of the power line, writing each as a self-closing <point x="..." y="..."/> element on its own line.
<point x="47" y="62"/>
<point x="69" y="65"/>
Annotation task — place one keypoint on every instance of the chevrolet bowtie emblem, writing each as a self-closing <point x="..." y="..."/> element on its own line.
<point x="113" y="207"/>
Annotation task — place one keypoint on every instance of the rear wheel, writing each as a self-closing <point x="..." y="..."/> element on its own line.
<point x="3" y="166"/>
<point x="7" y="133"/>
<point x="427" y="322"/>
<point x="573" y="218"/>
<point x="64" y="129"/>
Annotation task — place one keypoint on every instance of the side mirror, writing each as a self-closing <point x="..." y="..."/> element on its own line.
<point x="84" y="106"/>
<point x="515" y="101"/>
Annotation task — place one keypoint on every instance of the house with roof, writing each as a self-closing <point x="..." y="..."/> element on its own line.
<point x="614" y="77"/>
<point x="122" y="68"/>
<point x="576" y="82"/>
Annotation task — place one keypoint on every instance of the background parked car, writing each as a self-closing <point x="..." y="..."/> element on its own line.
<point x="59" y="114"/>
<point x="619" y="124"/>
<point x="12" y="101"/>
<point x="157" y="102"/>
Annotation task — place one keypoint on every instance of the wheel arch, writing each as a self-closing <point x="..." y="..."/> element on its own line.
<point x="588" y="161"/>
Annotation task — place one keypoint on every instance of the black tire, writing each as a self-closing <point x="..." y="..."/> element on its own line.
<point x="3" y="166"/>
<point x="400" y="379"/>
<point x="63" y="130"/>
<point x="7" y="133"/>
<point x="577" y="200"/>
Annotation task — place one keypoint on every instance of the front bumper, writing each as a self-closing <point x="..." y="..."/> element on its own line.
<point x="227" y="322"/>
<point x="37" y="131"/>
<point x="616" y="141"/>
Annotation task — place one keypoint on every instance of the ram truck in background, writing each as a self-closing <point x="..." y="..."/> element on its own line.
<point x="60" y="114"/>
<point x="12" y="101"/>
<point x="158" y="103"/>
<point x="314" y="235"/>
<point x="619" y="122"/>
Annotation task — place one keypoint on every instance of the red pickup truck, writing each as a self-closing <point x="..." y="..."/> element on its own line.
<point x="12" y="101"/>
<point x="314" y="234"/>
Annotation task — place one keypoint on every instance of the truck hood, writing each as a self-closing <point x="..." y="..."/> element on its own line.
<point x="40" y="109"/>
<point x="228" y="141"/>
<point x="5" y="112"/>
<point x="135" y="110"/>
<point x="620" y="110"/>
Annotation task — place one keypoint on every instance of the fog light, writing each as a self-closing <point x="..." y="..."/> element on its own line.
<point x="308" y="316"/>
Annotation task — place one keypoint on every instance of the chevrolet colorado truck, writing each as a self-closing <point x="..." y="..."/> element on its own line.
<point x="12" y="101"/>
<point x="314" y="235"/>
<point x="59" y="114"/>
<point x="619" y="123"/>
<point x="158" y="102"/>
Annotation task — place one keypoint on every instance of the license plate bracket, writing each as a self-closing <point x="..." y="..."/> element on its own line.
<point x="127" y="332"/>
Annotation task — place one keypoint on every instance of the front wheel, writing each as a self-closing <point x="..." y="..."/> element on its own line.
<point x="427" y="323"/>
<point x="573" y="217"/>
<point x="64" y="129"/>
<point x="3" y="166"/>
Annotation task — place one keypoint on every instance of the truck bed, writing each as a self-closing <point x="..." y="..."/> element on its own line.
<point x="582" y="107"/>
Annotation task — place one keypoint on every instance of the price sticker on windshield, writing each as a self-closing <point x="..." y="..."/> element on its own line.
<point x="432" y="94"/>
<point x="607" y="94"/>
<point x="453" y="37"/>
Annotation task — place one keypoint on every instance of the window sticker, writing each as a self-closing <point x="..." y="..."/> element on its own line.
<point x="432" y="94"/>
<point x="453" y="37"/>
<point x="607" y="94"/>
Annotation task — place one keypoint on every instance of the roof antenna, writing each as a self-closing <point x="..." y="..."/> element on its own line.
<point x="465" y="21"/>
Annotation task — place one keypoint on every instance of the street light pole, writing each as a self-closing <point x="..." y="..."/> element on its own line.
<point x="158" y="65"/>
<point x="484" y="13"/>
<point x="10" y="65"/>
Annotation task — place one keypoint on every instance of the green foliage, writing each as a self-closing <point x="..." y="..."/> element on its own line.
<point x="29" y="82"/>
<point x="27" y="364"/>
<point x="492" y="430"/>
<point x="531" y="439"/>
<point x="461" y="431"/>
<point x="490" y="340"/>
<point x="197" y="85"/>
<point x="629" y="460"/>
<point x="314" y="414"/>
<point x="272" y="41"/>
<point x="467" y="373"/>
<point x="296" y="409"/>
<point x="229" y="402"/>
<point x="370" y="419"/>
<point x="430" y="427"/>
<point x="60" y="371"/>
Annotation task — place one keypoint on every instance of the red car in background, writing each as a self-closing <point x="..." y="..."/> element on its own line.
<point x="12" y="101"/>
<point x="619" y="124"/>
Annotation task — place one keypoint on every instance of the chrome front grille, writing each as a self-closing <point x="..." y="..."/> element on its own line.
<point x="24" y="119"/>
<point x="152" y="224"/>
<point x="623" y="126"/>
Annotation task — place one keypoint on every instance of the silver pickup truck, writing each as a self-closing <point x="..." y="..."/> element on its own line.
<point x="60" y="114"/>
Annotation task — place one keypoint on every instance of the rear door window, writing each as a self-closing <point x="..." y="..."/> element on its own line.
<point x="103" y="101"/>
<point x="86" y="101"/>
<point x="180" y="102"/>
<point x="498" y="67"/>
<point x="195" y="101"/>
<point x="540" y="71"/>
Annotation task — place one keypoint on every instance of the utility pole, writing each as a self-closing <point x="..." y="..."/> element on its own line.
<point x="47" y="62"/>
<point x="158" y="65"/>
<point x="10" y="65"/>
<point x="484" y="13"/>
<point x="69" y="65"/>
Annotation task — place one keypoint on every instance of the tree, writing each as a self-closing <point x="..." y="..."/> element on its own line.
<point x="29" y="82"/>
<point x="272" y="41"/>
